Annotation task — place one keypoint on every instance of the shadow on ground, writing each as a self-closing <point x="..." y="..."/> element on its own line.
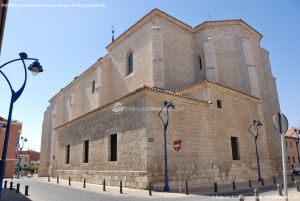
<point x="11" y="195"/>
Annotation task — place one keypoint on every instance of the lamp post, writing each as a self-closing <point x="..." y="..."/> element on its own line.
<point x="167" y="106"/>
<point x="35" y="68"/>
<point x="254" y="132"/>
<point x="20" y="148"/>
<point x="297" y="131"/>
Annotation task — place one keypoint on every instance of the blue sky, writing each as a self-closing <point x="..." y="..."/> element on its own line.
<point x="69" y="40"/>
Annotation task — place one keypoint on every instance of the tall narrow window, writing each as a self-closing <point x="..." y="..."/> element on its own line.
<point x="219" y="103"/>
<point x="291" y="144"/>
<point x="129" y="63"/>
<point x="200" y="63"/>
<point x="235" y="148"/>
<point x="67" y="154"/>
<point x="71" y="99"/>
<point x="86" y="151"/>
<point x="113" y="147"/>
<point x="93" y="86"/>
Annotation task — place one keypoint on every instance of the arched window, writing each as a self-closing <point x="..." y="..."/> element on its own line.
<point x="129" y="63"/>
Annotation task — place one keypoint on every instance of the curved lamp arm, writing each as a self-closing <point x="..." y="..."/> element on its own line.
<point x="250" y="128"/>
<point x="256" y="124"/>
<point x="160" y="116"/>
<point x="16" y="95"/>
<point x="167" y="105"/>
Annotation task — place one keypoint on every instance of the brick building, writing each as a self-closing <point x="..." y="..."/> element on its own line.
<point x="15" y="131"/>
<point x="104" y="124"/>
<point x="291" y="148"/>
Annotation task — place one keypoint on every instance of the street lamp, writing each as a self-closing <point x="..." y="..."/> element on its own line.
<point x="167" y="105"/>
<point x="21" y="142"/>
<point x="254" y="132"/>
<point x="35" y="68"/>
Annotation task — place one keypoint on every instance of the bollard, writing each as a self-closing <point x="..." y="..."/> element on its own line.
<point x="215" y="187"/>
<point x="57" y="179"/>
<point x="49" y="178"/>
<point x="11" y="185"/>
<point x="233" y="185"/>
<point x="150" y="189"/>
<point x="279" y="189"/>
<point x="84" y="183"/>
<point x="250" y="185"/>
<point x="18" y="188"/>
<point x="241" y="198"/>
<point x="256" y="194"/>
<point x="104" y="185"/>
<point x="297" y="186"/>
<point x="5" y="184"/>
<point x="26" y="190"/>
<point x="274" y="180"/>
<point x="186" y="187"/>
<point x="121" y="190"/>
<point x="69" y="181"/>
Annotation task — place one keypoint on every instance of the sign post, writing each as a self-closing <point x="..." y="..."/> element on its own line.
<point x="280" y="123"/>
<point x="177" y="146"/>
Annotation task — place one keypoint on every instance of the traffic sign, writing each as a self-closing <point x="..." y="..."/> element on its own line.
<point x="177" y="145"/>
<point x="280" y="122"/>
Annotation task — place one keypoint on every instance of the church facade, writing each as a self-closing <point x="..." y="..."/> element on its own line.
<point x="105" y="124"/>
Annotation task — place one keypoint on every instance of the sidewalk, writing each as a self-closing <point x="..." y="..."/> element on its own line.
<point x="113" y="190"/>
<point x="11" y="195"/>
<point x="267" y="192"/>
<point x="243" y="188"/>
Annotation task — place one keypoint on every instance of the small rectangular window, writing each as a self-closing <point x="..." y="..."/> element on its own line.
<point x="86" y="151"/>
<point x="67" y="154"/>
<point x="219" y="103"/>
<point x="293" y="159"/>
<point x="200" y="63"/>
<point x="235" y="148"/>
<point x="291" y="144"/>
<point x="113" y="147"/>
<point x="289" y="159"/>
<point x="286" y="144"/>
<point x="93" y="86"/>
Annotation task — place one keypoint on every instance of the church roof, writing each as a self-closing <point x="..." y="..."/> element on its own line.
<point x="144" y="88"/>
<point x="214" y="83"/>
<point x="157" y="12"/>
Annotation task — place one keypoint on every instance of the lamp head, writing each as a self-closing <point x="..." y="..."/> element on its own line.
<point x="35" y="68"/>
<point x="23" y="55"/>
<point x="169" y="105"/>
<point x="258" y="123"/>
<point x="25" y="140"/>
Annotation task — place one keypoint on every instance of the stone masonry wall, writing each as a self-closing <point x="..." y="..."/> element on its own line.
<point x="205" y="131"/>
<point x="97" y="128"/>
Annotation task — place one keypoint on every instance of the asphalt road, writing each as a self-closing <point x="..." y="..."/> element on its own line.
<point x="41" y="190"/>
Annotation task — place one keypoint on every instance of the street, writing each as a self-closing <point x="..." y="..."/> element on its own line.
<point x="41" y="190"/>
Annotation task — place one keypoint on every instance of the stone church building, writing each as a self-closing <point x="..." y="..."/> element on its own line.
<point x="105" y="124"/>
